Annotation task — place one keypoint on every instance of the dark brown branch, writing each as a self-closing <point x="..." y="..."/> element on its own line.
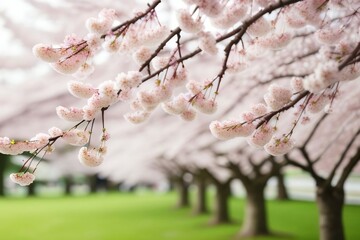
<point x="310" y="168"/>
<point x="314" y="130"/>
<point x="237" y="172"/>
<point x="135" y="19"/>
<point x="241" y="30"/>
<point x="255" y="17"/>
<point x="341" y="159"/>
<point x="190" y="55"/>
<point x="355" y="60"/>
<point x="333" y="140"/>
<point x="305" y="168"/>
<point x="295" y="59"/>
<point x="296" y="164"/>
<point x="211" y="176"/>
<point x="270" y="115"/>
<point x="348" y="169"/>
<point x="352" y="56"/>
<point x="159" y="48"/>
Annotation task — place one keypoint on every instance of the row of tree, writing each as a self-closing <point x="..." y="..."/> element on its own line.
<point x="254" y="169"/>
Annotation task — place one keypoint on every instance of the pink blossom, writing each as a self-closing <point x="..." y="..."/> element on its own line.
<point x="76" y="137"/>
<point x="80" y="89"/>
<point x="317" y="103"/>
<point x="260" y="28"/>
<point x="90" y="157"/>
<point x="178" y="78"/>
<point x="90" y="112"/>
<point x="279" y="146"/>
<point x="55" y="132"/>
<point x="277" y="97"/>
<point x="329" y="36"/>
<point x="187" y="23"/>
<point x="47" y="53"/>
<point x="188" y="115"/>
<point x="177" y="105"/>
<point x="261" y="136"/>
<point x="207" y="43"/>
<point x="72" y="114"/>
<point x="211" y="8"/>
<point x="296" y="84"/>
<point x="275" y="40"/>
<point x="207" y="106"/>
<point x="160" y="62"/>
<point x="142" y="54"/>
<point x="84" y="71"/>
<point x="230" y="129"/>
<point x="232" y="13"/>
<point x="98" y="25"/>
<point x="259" y="109"/>
<point x="23" y="179"/>
<point x="148" y="100"/>
<point x="137" y="117"/>
<point x="128" y="80"/>
<point x="71" y="63"/>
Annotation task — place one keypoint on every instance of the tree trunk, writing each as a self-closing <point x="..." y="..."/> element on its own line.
<point x="172" y="184"/>
<point x="3" y="162"/>
<point x="221" y="207"/>
<point x="330" y="203"/>
<point x="201" y="206"/>
<point x="183" y="192"/>
<point x="68" y="185"/>
<point x="93" y="183"/>
<point x="31" y="189"/>
<point x="282" y="193"/>
<point x="255" y="220"/>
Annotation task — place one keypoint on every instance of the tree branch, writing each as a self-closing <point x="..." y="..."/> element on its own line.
<point x="159" y="48"/>
<point x="135" y="19"/>
<point x="270" y="115"/>
<point x="353" y="55"/>
<point x="348" y="169"/>
<point x="211" y="176"/>
<point x="314" y="130"/>
<point x="296" y="164"/>
<point x="237" y="172"/>
<point x="240" y="31"/>
<point x="342" y="157"/>
<point x="310" y="168"/>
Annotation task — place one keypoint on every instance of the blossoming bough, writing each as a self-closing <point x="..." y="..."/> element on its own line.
<point x="247" y="31"/>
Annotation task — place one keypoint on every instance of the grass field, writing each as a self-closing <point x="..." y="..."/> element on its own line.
<point x="146" y="216"/>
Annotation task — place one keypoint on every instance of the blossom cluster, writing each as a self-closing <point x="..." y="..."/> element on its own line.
<point x="261" y="131"/>
<point x="248" y="36"/>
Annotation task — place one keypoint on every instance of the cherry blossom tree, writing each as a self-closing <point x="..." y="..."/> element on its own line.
<point x="175" y="173"/>
<point x="254" y="181"/>
<point x="253" y="168"/>
<point x="297" y="55"/>
<point x="75" y="55"/>
<point x="330" y="162"/>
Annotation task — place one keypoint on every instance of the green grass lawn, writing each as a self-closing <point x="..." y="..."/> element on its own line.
<point x="146" y="216"/>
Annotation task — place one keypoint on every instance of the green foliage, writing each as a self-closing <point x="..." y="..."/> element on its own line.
<point x="147" y="216"/>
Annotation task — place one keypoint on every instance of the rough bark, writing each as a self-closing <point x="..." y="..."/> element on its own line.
<point x="201" y="206"/>
<point x="282" y="193"/>
<point x="68" y="185"/>
<point x="255" y="220"/>
<point x="183" y="193"/>
<point x="330" y="203"/>
<point x="221" y="207"/>
<point x="3" y="162"/>
<point x="93" y="184"/>
<point x="31" y="189"/>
